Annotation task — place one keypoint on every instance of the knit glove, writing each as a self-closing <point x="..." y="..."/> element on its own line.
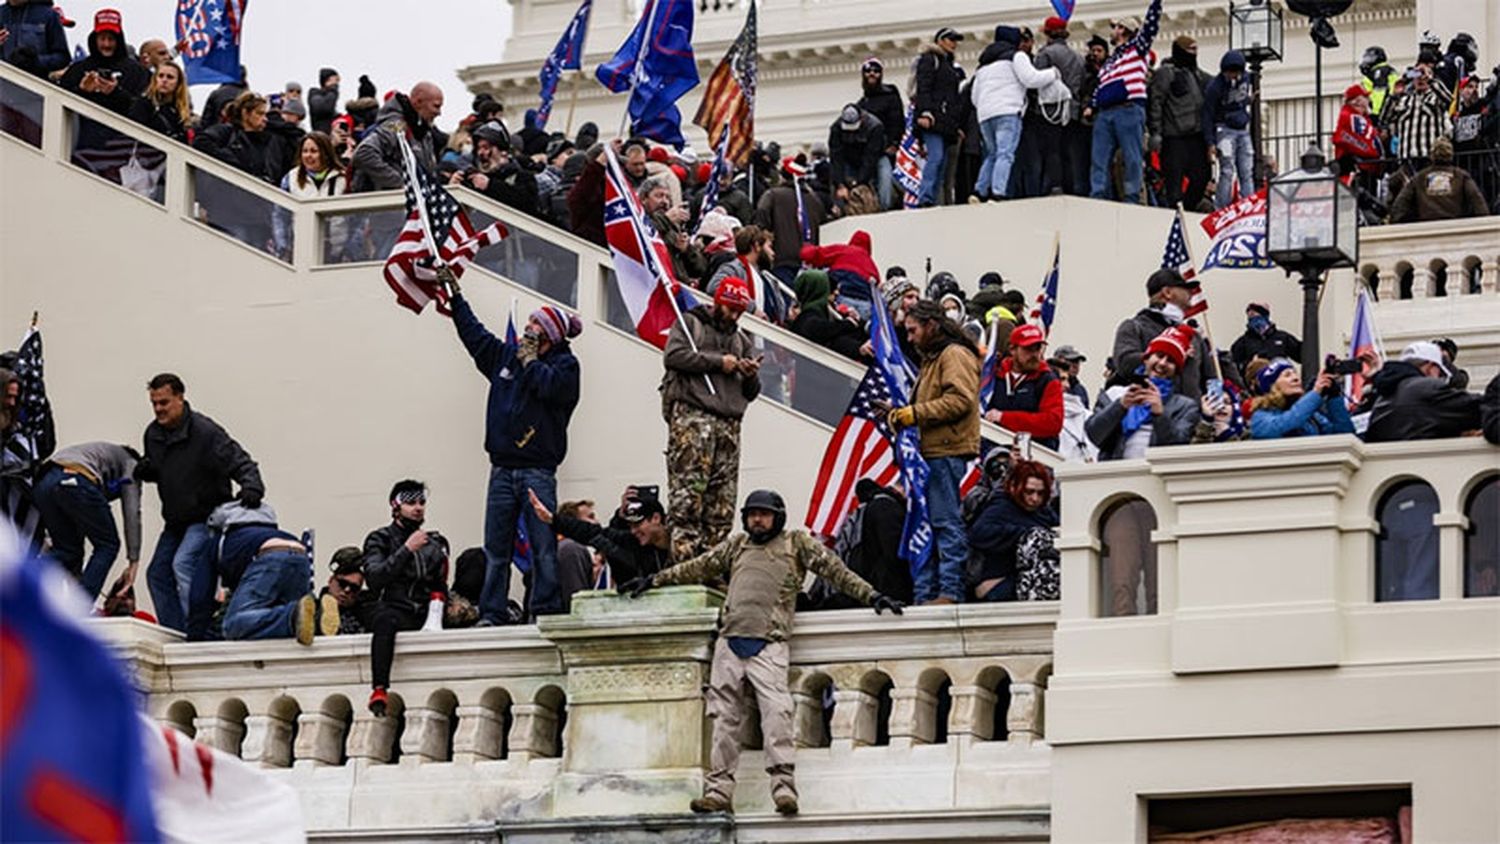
<point x="526" y="351"/>
<point x="901" y="417"/>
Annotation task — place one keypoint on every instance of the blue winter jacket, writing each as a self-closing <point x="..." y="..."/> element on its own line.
<point x="1226" y="104"/>
<point x="526" y="419"/>
<point x="34" y="27"/>
<point x="1313" y="414"/>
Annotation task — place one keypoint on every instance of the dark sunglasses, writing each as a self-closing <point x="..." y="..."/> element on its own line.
<point x="348" y="584"/>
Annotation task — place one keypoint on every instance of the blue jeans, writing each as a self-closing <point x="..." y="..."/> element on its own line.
<point x="264" y="604"/>
<point x="1001" y="134"/>
<point x="181" y="579"/>
<point x="932" y="170"/>
<point x="75" y="509"/>
<point x="1119" y="128"/>
<point x="507" y="500"/>
<point x="884" y="184"/>
<point x="1235" y="157"/>
<point x="945" y="579"/>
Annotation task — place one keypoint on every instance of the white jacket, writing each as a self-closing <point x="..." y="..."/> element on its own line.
<point x="1000" y="86"/>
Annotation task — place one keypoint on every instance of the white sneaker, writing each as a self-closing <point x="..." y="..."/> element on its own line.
<point x="434" y="616"/>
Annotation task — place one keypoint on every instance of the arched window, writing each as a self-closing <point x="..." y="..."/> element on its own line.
<point x="1406" y="552"/>
<point x="1482" y="540"/>
<point x="1127" y="578"/>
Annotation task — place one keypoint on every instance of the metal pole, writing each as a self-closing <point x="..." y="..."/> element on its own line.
<point x="1311" y="349"/>
<point x="1318" y="96"/>
<point x="1257" y="166"/>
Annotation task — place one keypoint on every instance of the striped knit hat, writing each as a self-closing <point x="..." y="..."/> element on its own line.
<point x="557" y="323"/>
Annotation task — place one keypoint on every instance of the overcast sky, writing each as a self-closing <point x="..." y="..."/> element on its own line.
<point x="396" y="44"/>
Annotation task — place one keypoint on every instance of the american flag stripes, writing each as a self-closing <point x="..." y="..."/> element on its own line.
<point x="715" y="175"/>
<point x="432" y="216"/>
<point x="910" y="159"/>
<point x="1176" y="257"/>
<point x="728" y="106"/>
<point x="1046" y="300"/>
<point x="860" y="448"/>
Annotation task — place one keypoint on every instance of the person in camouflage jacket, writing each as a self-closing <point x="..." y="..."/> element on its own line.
<point x="765" y="567"/>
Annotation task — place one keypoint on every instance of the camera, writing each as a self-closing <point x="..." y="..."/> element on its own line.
<point x="1351" y="366"/>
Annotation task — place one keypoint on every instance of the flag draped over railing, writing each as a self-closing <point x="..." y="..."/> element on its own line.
<point x="728" y="106"/>
<point x="656" y="65"/>
<point x="567" y="55"/>
<point x="210" y="33"/>
<point x="435" y="223"/>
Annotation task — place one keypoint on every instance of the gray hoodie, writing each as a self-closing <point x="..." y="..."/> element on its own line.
<point x="113" y="466"/>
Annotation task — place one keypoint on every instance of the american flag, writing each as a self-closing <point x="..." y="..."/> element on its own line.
<point x="729" y="98"/>
<point x="802" y="220"/>
<point x="1176" y="257"/>
<point x="409" y="270"/>
<point x="32" y="440"/>
<point x="860" y="448"/>
<point x="1046" y="300"/>
<point x="715" y="174"/>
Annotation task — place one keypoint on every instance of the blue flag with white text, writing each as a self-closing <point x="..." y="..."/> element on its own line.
<point x="567" y="55"/>
<point x="900" y="381"/>
<point x="656" y="65"/>
<point x="211" y="30"/>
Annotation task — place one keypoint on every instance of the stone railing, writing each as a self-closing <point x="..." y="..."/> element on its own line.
<point x="1452" y="258"/>
<point x="936" y="719"/>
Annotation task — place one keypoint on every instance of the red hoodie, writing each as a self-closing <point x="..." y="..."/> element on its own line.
<point x="853" y="256"/>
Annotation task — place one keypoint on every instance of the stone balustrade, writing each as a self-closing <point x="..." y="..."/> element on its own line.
<point x="1448" y="258"/>
<point x="600" y="713"/>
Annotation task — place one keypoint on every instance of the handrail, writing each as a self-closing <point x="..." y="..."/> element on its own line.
<point x="590" y="256"/>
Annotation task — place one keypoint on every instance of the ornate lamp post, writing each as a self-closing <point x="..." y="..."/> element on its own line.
<point x="1255" y="30"/>
<point x="1312" y="225"/>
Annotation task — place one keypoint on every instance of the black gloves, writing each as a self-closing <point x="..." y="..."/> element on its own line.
<point x="636" y="588"/>
<point x="250" y="498"/>
<point x="881" y="603"/>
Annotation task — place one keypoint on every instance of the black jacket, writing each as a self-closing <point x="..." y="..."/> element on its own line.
<point x="37" y="43"/>
<point x="937" y="96"/>
<point x="627" y="558"/>
<point x="997" y="530"/>
<point x="1489" y="411"/>
<point x="162" y="118"/>
<point x="884" y="101"/>
<point x="267" y="155"/>
<point x="322" y="107"/>
<point x="396" y="575"/>
<point x="133" y="77"/>
<point x="1275" y="344"/>
<point x="192" y="466"/>
<point x="1411" y="406"/>
<point x="838" y="335"/>
<point x="515" y="187"/>
<point x="853" y="156"/>
<point x="213" y="107"/>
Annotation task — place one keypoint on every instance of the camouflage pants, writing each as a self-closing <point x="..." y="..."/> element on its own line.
<point x="703" y="467"/>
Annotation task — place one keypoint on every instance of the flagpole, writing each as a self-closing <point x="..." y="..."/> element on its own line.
<point x="572" y="102"/>
<point x="1187" y="246"/>
<point x="635" y="72"/>
<point x="421" y="201"/>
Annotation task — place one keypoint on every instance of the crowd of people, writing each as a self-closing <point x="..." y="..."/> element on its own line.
<point x="1036" y="116"/>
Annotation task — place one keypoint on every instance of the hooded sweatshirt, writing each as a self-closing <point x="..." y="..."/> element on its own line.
<point x="377" y="159"/>
<point x="133" y="77"/>
<point x="1412" y="406"/>
<point x="1005" y="73"/>
<point x="849" y="265"/>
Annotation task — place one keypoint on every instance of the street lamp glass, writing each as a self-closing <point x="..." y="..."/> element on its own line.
<point x="1312" y="218"/>
<point x="1255" y="30"/>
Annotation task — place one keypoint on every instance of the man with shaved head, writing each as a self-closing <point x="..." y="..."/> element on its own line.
<point x="377" y="159"/>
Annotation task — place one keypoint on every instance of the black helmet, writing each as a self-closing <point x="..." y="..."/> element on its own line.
<point x="1373" y="56"/>
<point x="941" y="284"/>
<point x="764" y="499"/>
<point x="494" y="132"/>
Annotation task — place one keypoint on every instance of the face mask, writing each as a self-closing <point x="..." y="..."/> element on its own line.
<point x="1259" y="324"/>
<point x="952" y="314"/>
<point x="1173" y="312"/>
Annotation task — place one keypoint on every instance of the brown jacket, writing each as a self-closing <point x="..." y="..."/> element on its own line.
<point x="1439" y="192"/>
<point x="684" y="380"/>
<point x="946" y="404"/>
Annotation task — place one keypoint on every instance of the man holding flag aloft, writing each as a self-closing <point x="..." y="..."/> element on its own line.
<point x="534" y="388"/>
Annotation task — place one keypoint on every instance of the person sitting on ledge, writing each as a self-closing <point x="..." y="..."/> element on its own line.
<point x="765" y="566"/>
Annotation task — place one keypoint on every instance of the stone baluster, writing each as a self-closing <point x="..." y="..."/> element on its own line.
<point x="808" y="729"/>
<point x="1422" y="280"/>
<point x="533" y="732"/>
<point x="320" y="738"/>
<point x="1024" y="718"/>
<point x="480" y="734"/>
<point x="1489" y="279"/>
<point x="854" y="718"/>
<point x="268" y="741"/>
<point x="371" y="739"/>
<point x="973" y="717"/>
<point x="425" y="738"/>
<point x="219" y="733"/>
<point x="913" y="717"/>
<point x="1386" y="289"/>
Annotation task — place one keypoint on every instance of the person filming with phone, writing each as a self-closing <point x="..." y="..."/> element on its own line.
<point x="107" y="75"/>
<point x="712" y="375"/>
<point x="1285" y="408"/>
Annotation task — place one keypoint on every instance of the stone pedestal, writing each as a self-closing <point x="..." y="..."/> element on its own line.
<point x="636" y="736"/>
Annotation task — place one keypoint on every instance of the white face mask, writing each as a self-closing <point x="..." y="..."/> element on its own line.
<point x="1173" y="312"/>
<point x="952" y="313"/>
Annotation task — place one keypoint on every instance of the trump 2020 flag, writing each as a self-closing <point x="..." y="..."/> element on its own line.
<point x="567" y="55"/>
<point x="910" y="159"/>
<point x="1238" y="231"/>
<point x="656" y="65"/>
<point x="643" y="269"/>
<point x="916" y="530"/>
<point x="70" y="742"/>
<point x="211" y="32"/>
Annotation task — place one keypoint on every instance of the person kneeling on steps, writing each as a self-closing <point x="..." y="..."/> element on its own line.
<point x="765" y="567"/>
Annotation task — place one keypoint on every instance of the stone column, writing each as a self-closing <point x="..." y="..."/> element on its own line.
<point x="854" y="714"/>
<point x="219" y="733"/>
<point x="480" y="734"/>
<point x="320" y="738"/>
<point x="425" y="738"/>
<point x="371" y="738"/>
<point x="268" y="741"/>
<point x="913" y="717"/>
<point x="533" y="732"/>
<point x="1024" y="718"/>
<point x="636" y="739"/>
<point x="807" y="720"/>
<point x="973" y="717"/>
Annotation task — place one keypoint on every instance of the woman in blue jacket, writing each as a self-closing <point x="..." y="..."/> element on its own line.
<point x="1285" y="409"/>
